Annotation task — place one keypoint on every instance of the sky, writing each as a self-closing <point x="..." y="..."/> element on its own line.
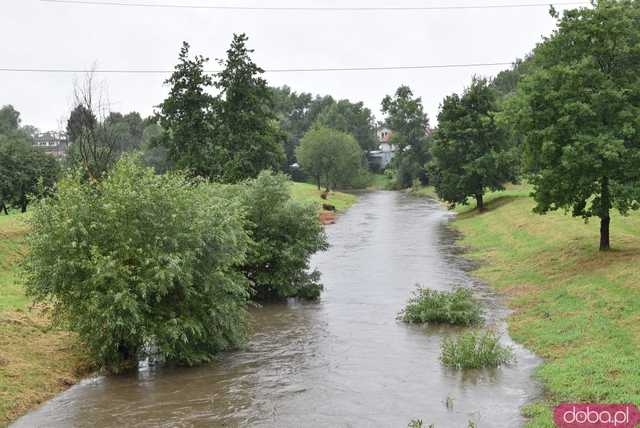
<point x="37" y="34"/>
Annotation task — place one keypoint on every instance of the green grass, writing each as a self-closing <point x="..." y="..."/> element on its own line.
<point x="12" y="232"/>
<point x="306" y="192"/>
<point x="442" y="307"/>
<point x="475" y="350"/>
<point x="36" y="360"/>
<point x="381" y="182"/>
<point x="576" y="307"/>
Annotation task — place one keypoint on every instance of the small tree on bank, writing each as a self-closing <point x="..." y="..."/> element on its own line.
<point x="471" y="153"/>
<point x="331" y="157"/>
<point x="140" y="264"/>
<point x="579" y="114"/>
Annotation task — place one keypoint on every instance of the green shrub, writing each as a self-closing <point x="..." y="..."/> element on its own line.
<point x="284" y="234"/>
<point x="457" y="307"/>
<point x="474" y="350"/>
<point x="141" y="264"/>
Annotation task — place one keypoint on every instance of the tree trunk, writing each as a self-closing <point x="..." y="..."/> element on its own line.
<point x="3" y="207"/>
<point x="605" y="219"/>
<point x="480" y="202"/>
<point x="318" y="181"/>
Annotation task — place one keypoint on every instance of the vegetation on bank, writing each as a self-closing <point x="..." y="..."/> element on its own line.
<point x="445" y="307"/>
<point x="574" y="306"/>
<point x="36" y="360"/>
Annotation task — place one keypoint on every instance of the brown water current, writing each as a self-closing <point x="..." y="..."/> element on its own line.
<point x="343" y="362"/>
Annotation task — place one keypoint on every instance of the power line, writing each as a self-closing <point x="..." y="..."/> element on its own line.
<point x="313" y="8"/>
<point x="272" y="70"/>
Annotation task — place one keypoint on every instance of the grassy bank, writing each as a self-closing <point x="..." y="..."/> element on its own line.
<point x="306" y="192"/>
<point x="36" y="361"/>
<point x="574" y="306"/>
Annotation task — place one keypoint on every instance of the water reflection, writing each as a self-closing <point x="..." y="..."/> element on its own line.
<point x="345" y="361"/>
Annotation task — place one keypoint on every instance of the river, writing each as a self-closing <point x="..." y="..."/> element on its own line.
<point x="343" y="362"/>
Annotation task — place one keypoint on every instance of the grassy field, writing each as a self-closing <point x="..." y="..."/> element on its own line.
<point x="309" y="193"/>
<point x="577" y="308"/>
<point x="36" y="361"/>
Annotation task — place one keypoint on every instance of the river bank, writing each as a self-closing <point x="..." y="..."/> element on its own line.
<point x="344" y="360"/>
<point x="37" y="361"/>
<point x="574" y="306"/>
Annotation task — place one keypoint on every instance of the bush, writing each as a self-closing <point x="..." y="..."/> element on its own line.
<point x="457" y="307"/>
<point x="141" y="264"/>
<point x="285" y="234"/>
<point x="474" y="350"/>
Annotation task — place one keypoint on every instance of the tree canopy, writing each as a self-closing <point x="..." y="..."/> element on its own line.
<point x="579" y="114"/>
<point x="471" y="153"/>
<point x="331" y="157"/>
<point x="405" y="116"/>
<point x="247" y="130"/>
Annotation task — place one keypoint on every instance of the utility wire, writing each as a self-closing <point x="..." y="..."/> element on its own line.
<point x="315" y="8"/>
<point x="272" y="70"/>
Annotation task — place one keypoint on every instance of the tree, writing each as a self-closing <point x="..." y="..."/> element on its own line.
<point x="579" y="114"/>
<point x="351" y="118"/>
<point x="247" y="129"/>
<point x="187" y="119"/>
<point x="94" y="145"/>
<point x="9" y="120"/>
<point x="331" y="157"/>
<point x="24" y="172"/>
<point x="140" y="264"/>
<point x="405" y="116"/>
<point x="296" y="114"/>
<point x="284" y="235"/>
<point x="471" y="153"/>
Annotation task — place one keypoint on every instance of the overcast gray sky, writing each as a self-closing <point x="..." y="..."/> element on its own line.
<point x="49" y="35"/>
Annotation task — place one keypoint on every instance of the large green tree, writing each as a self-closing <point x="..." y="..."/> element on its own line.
<point x="9" y="119"/>
<point x="331" y="157"/>
<point x="579" y="114"/>
<point x="405" y="116"/>
<point x="187" y="119"/>
<point x="471" y="153"/>
<point x="25" y="171"/>
<point x="247" y="130"/>
<point x="352" y="118"/>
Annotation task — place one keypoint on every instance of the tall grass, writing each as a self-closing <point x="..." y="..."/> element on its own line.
<point x="443" y="307"/>
<point x="474" y="350"/>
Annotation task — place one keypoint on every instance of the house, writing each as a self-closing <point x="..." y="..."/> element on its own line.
<point x="52" y="142"/>
<point x="379" y="159"/>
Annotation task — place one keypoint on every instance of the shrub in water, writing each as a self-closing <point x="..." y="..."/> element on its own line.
<point x="457" y="307"/>
<point x="285" y="234"/>
<point x="474" y="350"/>
<point x="140" y="262"/>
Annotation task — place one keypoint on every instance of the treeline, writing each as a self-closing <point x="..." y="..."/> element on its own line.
<point x="159" y="252"/>
<point x="566" y="119"/>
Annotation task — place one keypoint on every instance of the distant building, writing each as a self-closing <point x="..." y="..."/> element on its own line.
<point x="52" y="142"/>
<point x="379" y="159"/>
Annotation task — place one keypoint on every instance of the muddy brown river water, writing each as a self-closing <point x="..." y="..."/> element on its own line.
<point x="343" y="362"/>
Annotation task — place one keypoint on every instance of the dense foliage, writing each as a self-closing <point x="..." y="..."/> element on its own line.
<point x="332" y="158"/>
<point x="187" y="116"/>
<point x="475" y="350"/>
<point x="471" y="153"/>
<point x="579" y="114"/>
<point x="406" y="118"/>
<point x="25" y="171"/>
<point x="141" y="264"/>
<point x="432" y="306"/>
<point x="284" y="235"/>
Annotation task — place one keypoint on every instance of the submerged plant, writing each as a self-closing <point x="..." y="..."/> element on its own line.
<point x="447" y="307"/>
<point x="474" y="350"/>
